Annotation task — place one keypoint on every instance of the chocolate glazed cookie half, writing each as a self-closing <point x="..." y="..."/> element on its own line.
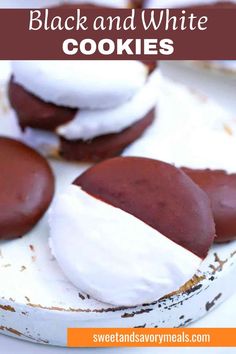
<point x="26" y="188"/>
<point x="221" y="189"/>
<point x="126" y="182"/>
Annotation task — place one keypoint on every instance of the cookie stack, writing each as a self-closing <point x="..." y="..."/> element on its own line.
<point x="83" y="110"/>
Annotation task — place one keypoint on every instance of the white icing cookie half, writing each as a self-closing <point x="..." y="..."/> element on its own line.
<point x="81" y="84"/>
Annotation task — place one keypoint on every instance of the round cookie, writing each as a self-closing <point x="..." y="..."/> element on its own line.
<point x="26" y="188"/>
<point x="139" y="229"/>
<point x="221" y="189"/>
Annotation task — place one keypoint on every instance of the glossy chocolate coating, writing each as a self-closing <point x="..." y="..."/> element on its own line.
<point x="221" y="189"/>
<point x="157" y="193"/>
<point x="35" y="113"/>
<point x="105" y="146"/>
<point x="26" y="188"/>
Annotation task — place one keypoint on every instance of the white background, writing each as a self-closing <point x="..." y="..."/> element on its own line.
<point x="223" y="89"/>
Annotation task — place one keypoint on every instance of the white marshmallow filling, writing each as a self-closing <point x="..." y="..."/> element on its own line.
<point x="89" y="124"/>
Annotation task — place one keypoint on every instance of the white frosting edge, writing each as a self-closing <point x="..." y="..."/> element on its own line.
<point x="84" y="84"/>
<point x="113" y="256"/>
<point x="90" y="124"/>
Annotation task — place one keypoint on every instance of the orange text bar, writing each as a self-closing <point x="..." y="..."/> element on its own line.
<point x="151" y="337"/>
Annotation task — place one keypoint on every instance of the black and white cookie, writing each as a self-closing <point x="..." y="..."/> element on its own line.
<point x="131" y="230"/>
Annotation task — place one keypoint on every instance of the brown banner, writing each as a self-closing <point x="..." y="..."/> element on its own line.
<point x="193" y="34"/>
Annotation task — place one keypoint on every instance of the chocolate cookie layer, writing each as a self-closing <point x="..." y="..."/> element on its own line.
<point x="106" y="146"/>
<point x="221" y="189"/>
<point x="26" y="188"/>
<point x="157" y="193"/>
<point x="35" y="113"/>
